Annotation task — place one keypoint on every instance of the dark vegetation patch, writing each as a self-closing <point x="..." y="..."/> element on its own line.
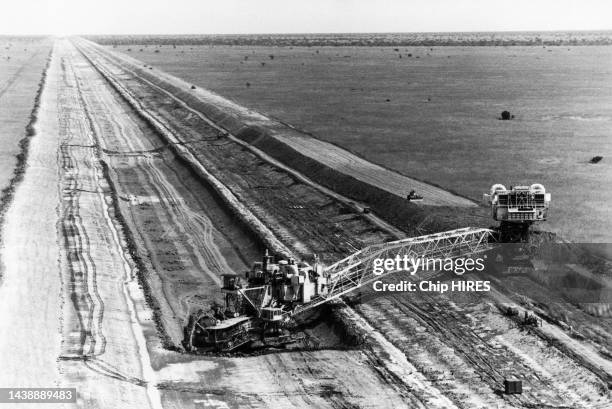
<point x="368" y="39"/>
<point x="596" y="159"/>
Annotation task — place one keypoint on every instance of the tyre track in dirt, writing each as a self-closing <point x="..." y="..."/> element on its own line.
<point x="135" y="160"/>
<point x="96" y="344"/>
<point x="359" y="207"/>
<point x="268" y="190"/>
<point x="29" y="306"/>
<point x="423" y="390"/>
<point x="84" y="295"/>
<point x="339" y="395"/>
<point x="294" y="393"/>
<point x="87" y="338"/>
<point x="485" y="391"/>
<point x="35" y="293"/>
<point x="464" y="349"/>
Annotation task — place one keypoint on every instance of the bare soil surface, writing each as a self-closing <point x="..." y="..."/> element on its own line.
<point x="75" y="253"/>
<point x="456" y="353"/>
<point x="186" y="222"/>
<point x="275" y="197"/>
<point x="30" y="287"/>
<point x="131" y="208"/>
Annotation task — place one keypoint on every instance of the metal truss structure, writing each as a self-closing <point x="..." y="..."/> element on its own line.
<point x="357" y="269"/>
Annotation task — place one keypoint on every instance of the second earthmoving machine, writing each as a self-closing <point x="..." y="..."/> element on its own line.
<point x="517" y="209"/>
<point x="414" y="197"/>
<point x="260" y="307"/>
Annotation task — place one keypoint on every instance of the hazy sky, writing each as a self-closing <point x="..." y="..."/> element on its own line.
<point x="303" y="16"/>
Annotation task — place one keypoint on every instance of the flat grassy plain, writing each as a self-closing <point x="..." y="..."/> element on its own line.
<point x="432" y="112"/>
<point x="22" y="61"/>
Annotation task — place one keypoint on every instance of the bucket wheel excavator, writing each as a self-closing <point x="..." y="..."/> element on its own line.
<point x="261" y="306"/>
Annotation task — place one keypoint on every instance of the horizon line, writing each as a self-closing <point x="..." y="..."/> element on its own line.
<point x="590" y="30"/>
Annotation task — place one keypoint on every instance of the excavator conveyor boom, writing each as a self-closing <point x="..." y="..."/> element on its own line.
<point x="356" y="270"/>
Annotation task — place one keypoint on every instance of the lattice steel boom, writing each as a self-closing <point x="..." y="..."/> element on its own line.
<point x="357" y="270"/>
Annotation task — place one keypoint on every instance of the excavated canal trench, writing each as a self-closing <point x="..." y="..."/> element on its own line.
<point x="180" y="233"/>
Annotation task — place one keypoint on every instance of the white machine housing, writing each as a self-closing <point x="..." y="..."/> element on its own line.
<point x="519" y="204"/>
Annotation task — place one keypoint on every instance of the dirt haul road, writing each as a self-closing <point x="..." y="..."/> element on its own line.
<point x="66" y="272"/>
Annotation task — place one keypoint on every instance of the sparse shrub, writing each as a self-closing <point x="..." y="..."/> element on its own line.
<point x="596" y="159"/>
